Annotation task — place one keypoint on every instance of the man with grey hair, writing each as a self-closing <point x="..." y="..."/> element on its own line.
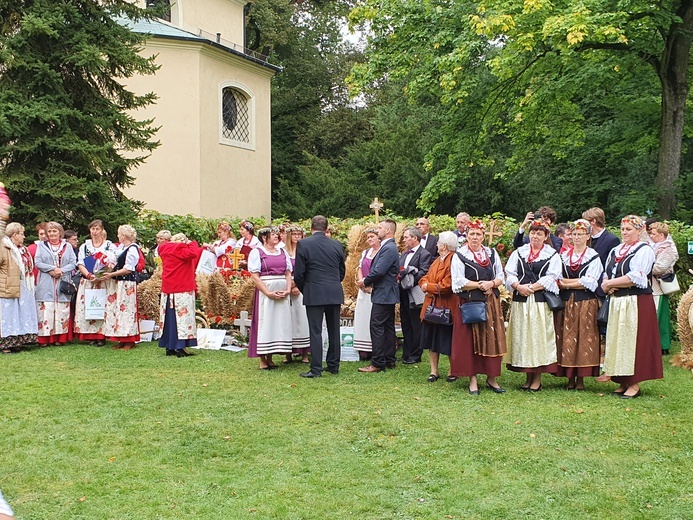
<point x="415" y="261"/>
<point x="462" y="222"/>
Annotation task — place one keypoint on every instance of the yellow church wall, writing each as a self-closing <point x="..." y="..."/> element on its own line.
<point x="195" y="170"/>
<point x="214" y="16"/>
<point x="168" y="181"/>
<point x="235" y="178"/>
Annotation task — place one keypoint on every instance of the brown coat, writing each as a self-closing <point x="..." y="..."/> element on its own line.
<point x="439" y="278"/>
<point x="9" y="273"/>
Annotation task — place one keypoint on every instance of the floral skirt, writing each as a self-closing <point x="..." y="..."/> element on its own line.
<point x="122" y="320"/>
<point x="89" y="329"/>
<point x="53" y="322"/>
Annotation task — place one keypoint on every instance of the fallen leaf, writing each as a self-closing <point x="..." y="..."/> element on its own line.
<point x="517" y="422"/>
<point x="532" y="435"/>
<point x="252" y="510"/>
<point x="82" y="499"/>
<point x="662" y="396"/>
<point x="111" y="459"/>
<point x="227" y="437"/>
<point x="205" y="384"/>
<point x="564" y="468"/>
<point x="417" y="398"/>
<point x="600" y="395"/>
<point x="421" y="500"/>
<point x="579" y="410"/>
<point x="649" y="506"/>
<point x="628" y="409"/>
<point x="293" y="385"/>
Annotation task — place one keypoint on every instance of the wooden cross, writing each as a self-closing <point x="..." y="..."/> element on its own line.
<point x="491" y="234"/>
<point x="376" y="206"/>
<point x="235" y="257"/>
<point x="243" y="322"/>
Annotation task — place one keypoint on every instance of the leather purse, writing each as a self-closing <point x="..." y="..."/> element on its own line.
<point x="603" y="314"/>
<point x="67" y="287"/>
<point x="669" y="284"/>
<point x="554" y="301"/>
<point x="437" y="315"/>
<point x="473" y="312"/>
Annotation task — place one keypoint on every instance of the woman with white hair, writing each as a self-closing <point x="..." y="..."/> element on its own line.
<point x="55" y="261"/>
<point x="18" y="322"/>
<point x="437" y="286"/>
<point x="177" y="309"/>
<point x="122" y="319"/>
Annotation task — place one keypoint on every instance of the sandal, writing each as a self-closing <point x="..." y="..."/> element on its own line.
<point x="451" y="379"/>
<point x="433" y="378"/>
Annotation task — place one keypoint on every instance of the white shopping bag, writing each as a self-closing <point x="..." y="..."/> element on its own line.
<point x="95" y="304"/>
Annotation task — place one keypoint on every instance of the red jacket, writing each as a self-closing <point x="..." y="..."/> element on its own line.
<point x="179" y="263"/>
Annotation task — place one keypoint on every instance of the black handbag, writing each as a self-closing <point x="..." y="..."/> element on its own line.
<point x="67" y="287"/>
<point x="603" y="314"/>
<point x="473" y="312"/>
<point x="437" y="315"/>
<point x="553" y="301"/>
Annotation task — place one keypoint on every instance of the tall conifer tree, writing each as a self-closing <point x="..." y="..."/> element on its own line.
<point x="68" y="132"/>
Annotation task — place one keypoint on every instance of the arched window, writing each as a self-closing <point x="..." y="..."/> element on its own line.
<point x="161" y="7"/>
<point x="235" y="116"/>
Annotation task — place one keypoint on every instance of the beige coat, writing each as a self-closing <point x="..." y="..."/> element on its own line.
<point x="9" y="273"/>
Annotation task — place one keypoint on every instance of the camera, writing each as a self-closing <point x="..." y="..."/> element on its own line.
<point x="538" y="216"/>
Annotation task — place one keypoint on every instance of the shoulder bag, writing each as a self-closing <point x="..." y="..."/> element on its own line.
<point x="473" y="312"/>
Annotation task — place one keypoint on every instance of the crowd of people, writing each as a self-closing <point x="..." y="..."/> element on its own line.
<point x="447" y="286"/>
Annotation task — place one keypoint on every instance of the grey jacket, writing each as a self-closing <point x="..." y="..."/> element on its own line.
<point x="47" y="286"/>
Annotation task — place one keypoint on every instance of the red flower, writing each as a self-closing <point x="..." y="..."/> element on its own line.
<point x="217" y="319"/>
<point x="122" y="307"/>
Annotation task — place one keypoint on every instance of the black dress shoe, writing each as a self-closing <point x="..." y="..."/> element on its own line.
<point x="636" y="394"/>
<point x="186" y="353"/>
<point x="411" y="361"/>
<point x="496" y="389"/>
<point x="474" y="392"/>
<point x="390" y="365"/>
<point x="334" y="371"/>
<point x="170" y="352"/>
<point x="310" y="375"/>
<point x="451" y="379"/>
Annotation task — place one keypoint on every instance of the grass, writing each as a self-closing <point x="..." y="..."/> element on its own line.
<point x="100" y="434"/>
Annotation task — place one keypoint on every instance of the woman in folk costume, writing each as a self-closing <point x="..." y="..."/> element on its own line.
<point x="270" y="329"/>
<point x="666" y="256"/>
<point x="248" y="240"/>
<point x="55" y="261"/>
<point x="121" y="323"/>
<point x="477" y="273"/>
<point x="18" y="322"/>
<point x="222" y="247"/>
<point x="299" y="320"/>
<point x="102" y="253"/>
<point x="362" y="313"/>
<point x="177" y="309"/>
<point x="532" y="269"/>
<point x="577" y="332"/>
<point x="633" y="349"/>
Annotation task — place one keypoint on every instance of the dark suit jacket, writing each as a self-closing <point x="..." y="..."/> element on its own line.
<point x="320" y="270"/>
<point x="522" y="238"/>
<point x="383" y="275"/>
<point x="432" y="245"/>
<point x="421" y="260"/>
<point x="604" y="244"/>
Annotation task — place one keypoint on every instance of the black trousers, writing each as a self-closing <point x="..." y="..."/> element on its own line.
<point x="383" y="334"/>
<point x="411" y="329"/>
<point x="315" y="314"/>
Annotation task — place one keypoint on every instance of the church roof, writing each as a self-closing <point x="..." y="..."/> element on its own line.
<point x="163" y="30"/>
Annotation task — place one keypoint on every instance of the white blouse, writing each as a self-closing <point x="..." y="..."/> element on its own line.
<point x="457" y="270"/>
<point x="590" y="280"/>
<point x="640" y="265"/>
<point x="255" y="264"/>
<point x="553" y="270"/>
<point x="219" y="247"/>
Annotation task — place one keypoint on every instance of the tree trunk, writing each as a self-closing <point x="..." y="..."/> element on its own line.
<point x="673" y="75"/>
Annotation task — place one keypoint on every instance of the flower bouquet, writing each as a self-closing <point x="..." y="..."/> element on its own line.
<point x="103" y="263"/>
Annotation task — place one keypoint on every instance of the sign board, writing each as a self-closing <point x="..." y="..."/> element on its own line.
<point x="690" y="247"/>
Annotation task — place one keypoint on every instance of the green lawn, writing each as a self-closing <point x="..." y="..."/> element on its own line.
<point x="101" y="434"/>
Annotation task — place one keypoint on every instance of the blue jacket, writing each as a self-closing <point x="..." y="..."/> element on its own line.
<point x="383" y="275"/>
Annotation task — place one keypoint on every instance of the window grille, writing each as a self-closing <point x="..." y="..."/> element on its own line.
<point x="235" y="116"/>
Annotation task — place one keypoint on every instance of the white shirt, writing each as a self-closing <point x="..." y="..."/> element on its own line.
<point x="409" y="256"/>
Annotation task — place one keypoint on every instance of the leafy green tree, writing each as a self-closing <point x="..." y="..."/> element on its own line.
<point x="68" y="136"/>
<point x="513" y="77"/>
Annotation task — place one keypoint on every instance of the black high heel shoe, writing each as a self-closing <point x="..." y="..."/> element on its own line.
<point x="171" y="353"/>
<point x="497" y="389"/>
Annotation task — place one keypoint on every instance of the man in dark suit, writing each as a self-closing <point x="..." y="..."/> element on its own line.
<point x="428" y="242"/>
<point x="385" y="294"/>
<point x="603" y="241"/>
<point x="415" y="260"/>
<point x="318" y="275"/>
